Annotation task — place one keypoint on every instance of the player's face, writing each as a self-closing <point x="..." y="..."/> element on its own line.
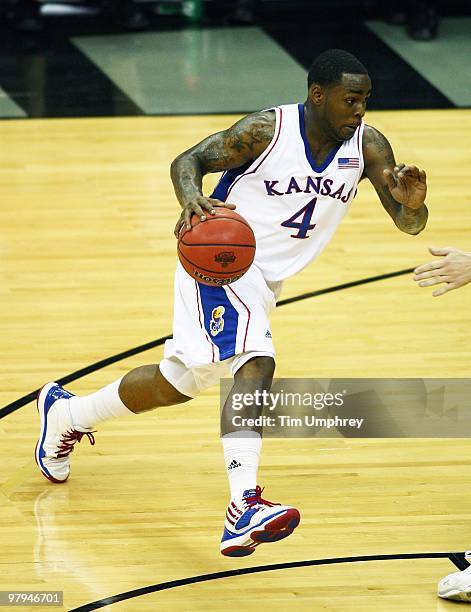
<point x="345" y="105"/>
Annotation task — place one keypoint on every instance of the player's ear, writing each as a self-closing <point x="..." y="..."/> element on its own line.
<point x="316" y="94"/>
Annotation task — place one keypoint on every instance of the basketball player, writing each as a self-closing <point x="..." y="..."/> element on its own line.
<point x="453" y="269"/>
<point x="293" y="172"/>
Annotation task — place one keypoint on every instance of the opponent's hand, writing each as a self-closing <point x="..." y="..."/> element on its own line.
<point x="199" y="206"/>
<point x="453" y="268"/>
<point x="407" y="184"/>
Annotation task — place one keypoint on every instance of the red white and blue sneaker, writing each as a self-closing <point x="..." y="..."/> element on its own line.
<point x="255" y="521"/>
<point x="457" y="585"/>
<point x="58" y="434"/>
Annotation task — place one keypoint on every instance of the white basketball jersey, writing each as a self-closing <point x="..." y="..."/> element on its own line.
<point x="293" y="205"/>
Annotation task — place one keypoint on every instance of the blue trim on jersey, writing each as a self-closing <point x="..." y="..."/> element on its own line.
<point x="307" y="148"/>
<point x="226" y="180"/>
<point x="225" y="340"/>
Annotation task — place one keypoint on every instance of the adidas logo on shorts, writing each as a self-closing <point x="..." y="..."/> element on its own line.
<point x="233" y="464"/>
<point x="268" y="334"/>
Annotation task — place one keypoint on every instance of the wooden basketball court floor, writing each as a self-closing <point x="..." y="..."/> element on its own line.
<point x="86" y="266"/>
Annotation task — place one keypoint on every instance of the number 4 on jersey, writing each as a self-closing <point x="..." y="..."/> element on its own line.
<point x="305" y="223"/>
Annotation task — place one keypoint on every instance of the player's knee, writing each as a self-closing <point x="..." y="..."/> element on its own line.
<point x="172" y="398"/>
<point x="259" y="369"/>
<point x="166" y="393"/>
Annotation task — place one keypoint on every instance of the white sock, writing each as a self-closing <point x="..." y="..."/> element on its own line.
<point x="242" y="456"/>
<point x="105" y="404"/>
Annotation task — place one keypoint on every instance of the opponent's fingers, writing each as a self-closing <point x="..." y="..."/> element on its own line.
<point x="435" y="280"/>
<point x="431" y="265"/>
<point x="440" y="250"/>
<point x="399" y="167"/>
<point x="429" y="274"/>
<point x="443" y="289"/>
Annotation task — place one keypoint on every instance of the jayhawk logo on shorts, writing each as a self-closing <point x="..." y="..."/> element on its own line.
<point x="216" y="325"/>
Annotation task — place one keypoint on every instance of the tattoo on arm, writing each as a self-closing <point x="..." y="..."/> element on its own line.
<point x="377" y="149"/>
<point x="412" y="221"/>
<point x="242" y="142"/>
<point x="378" y="156"/>
<point x="389" y="202"/>
<point x="406" y="219"/>
<point x="250" y="138"/>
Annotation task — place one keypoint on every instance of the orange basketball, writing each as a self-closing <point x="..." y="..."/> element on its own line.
<point x="217" y="251"/>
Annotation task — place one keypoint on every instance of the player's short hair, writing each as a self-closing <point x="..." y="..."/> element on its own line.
<point x="328" y="67"/>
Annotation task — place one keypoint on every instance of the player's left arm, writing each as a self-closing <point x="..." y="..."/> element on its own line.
<point x="401" y="189"/>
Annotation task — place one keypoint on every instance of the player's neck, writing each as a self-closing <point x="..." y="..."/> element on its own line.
<point x="319" y="140"/>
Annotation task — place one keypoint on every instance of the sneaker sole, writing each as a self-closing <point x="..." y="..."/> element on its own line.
<point x="40" y="402"/>
<point x="457" y="595"/>
<point x="272" y="531"/>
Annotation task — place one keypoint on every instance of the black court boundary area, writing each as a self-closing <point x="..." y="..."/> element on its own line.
<point x="26" y="399"/>
<point x="53" y="79"/>
<point x="455" y="557"/>
<point x="44" y="74"/>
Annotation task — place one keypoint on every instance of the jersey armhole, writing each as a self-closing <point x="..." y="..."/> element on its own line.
<point x="361" y="130"/>
<point x="255" y="165"/>
<point x="231" y="178"/>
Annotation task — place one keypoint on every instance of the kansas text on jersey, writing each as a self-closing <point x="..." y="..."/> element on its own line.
<point x="293" y="205"/>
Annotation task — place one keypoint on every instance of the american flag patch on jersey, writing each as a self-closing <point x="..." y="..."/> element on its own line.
<point x="348" y="162"/>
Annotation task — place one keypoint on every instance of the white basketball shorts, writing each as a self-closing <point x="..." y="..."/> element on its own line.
<point x="217" y="329"/>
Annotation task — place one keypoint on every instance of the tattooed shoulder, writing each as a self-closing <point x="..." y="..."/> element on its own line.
<point x="242" y="142"/>
<point x="252" y="133"/>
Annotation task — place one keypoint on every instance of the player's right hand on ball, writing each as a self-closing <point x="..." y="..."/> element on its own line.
<point x="198" y="206"/>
